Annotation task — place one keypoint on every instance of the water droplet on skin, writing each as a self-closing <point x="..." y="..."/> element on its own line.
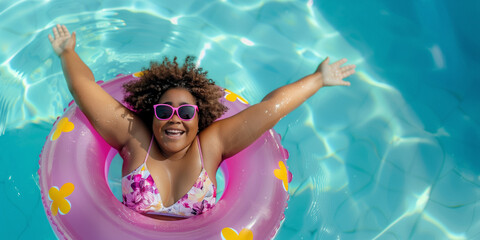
<point x="277" y="107"/>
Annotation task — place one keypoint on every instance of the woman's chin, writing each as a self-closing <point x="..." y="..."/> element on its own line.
<point x="175" y="146"/>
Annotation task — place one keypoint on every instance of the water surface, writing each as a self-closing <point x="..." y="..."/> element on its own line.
<point x="394" y="156"/>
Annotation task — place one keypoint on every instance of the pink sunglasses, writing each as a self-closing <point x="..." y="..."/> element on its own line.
<point x="165" y="112"/>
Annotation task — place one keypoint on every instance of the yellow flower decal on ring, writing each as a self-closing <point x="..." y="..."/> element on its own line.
<point x="58" y="198"/>
<point x="283" y="174"/>
<point x="231" y="234"/>
<point x="63" y="126"/>
<point x="138" y="74"/>
<point x="232" y="97"/>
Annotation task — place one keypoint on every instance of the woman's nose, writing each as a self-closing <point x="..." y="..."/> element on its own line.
<point x="175" y="117"/>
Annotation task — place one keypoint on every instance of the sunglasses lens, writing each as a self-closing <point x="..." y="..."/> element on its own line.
<point x="186" y="112"/>
<point x="163" y="112"/>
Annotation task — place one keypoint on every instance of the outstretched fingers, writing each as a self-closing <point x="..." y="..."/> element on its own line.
<point x="338" y="63"/>
<point x="347" y="70"/>
<point x="65" y="30"/>
<point x="345" y="83"/>
<point x="50" y="38"/>
<point x="55" y="33"/>
<point x="60" y="30"/>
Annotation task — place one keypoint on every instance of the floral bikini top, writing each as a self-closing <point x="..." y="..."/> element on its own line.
<point x="140" y="193"/>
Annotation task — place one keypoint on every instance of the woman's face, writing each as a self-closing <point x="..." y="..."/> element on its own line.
<point x="175" y="135"/>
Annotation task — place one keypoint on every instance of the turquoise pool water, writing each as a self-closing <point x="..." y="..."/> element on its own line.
<point x="395" y="156"/>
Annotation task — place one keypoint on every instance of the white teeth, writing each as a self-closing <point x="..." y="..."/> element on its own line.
<point x="174" y="132"/>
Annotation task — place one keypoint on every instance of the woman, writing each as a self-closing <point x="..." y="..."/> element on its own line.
<point x="169" y="141"/>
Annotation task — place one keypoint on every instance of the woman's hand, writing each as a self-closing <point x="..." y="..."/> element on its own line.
<point x="62" y="40"/>
<point x="333" y="74"/>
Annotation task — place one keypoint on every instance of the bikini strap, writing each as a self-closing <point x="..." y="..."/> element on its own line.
<point x="148" y="152"/>
<point x="200" y="150"/>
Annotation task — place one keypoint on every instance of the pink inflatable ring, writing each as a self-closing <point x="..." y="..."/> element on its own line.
<point x="79" y="204"/>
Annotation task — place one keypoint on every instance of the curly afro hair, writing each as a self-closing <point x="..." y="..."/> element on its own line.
<point x="141" y="95"/>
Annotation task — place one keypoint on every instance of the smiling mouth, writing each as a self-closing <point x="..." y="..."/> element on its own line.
<point x="174" y="133"/>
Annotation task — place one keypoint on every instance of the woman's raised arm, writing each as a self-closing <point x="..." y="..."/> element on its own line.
<point x="109" y="117"/>
<point x="239" y="131"/>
